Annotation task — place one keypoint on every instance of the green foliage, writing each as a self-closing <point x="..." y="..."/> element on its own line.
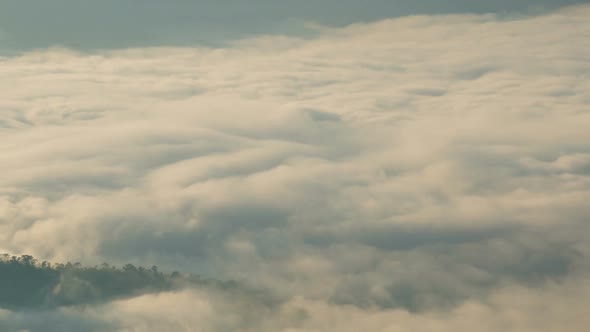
<point x="27" y="283"/>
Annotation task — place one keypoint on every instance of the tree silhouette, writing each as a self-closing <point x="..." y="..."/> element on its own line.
<point x="29" y="284"/>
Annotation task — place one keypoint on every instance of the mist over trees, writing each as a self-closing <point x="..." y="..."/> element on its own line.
<point x="29" y="283"/>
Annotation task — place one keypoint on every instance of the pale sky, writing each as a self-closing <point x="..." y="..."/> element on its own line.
<point x="90" y="24"/>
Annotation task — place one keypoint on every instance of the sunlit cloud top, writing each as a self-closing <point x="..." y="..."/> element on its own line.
<point x="386" y="172"/>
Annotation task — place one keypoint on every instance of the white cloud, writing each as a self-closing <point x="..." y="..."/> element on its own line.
<point x="551" y="308"/>
<point x="340" y="169"/>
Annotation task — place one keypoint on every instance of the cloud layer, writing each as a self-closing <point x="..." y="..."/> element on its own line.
<point x="426" y="172"/>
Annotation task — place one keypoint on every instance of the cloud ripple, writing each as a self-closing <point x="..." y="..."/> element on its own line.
<point x="426" y="172"/>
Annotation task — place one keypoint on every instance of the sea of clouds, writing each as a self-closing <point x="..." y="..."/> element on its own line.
<point x="425" y="173"/>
